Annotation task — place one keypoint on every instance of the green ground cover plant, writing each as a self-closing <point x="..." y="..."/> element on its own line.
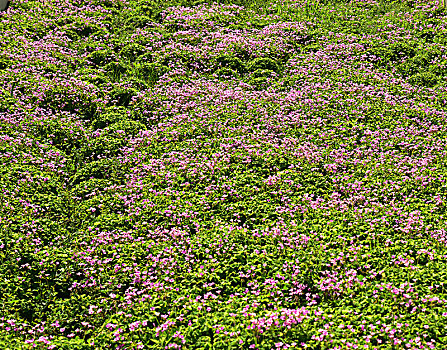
<point x="239" y="174"/>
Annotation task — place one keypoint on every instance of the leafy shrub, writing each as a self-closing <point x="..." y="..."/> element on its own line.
<point x="132" y="51"/>
<point x="4" y="63"/>
<point x="399" y="50"/>
<point x="263" y="63"/>
<point x="188" y="60"/>
<point x="64" y="136"/>
<point x="229" y="62"/>
<point x="85" y="29"/>
<point x="100" y="57"/>
<point x="97" y="169"/>
<point x="224" y="73"/>
<point x="110" y="116"/>
<point x="259" y="83"/>
<point x="116" y="69"/>
<point x="145" y="58"/>
<point x="393" y="53"/>
<point x="429" y="34"/>
<point x="129" y="127"/>
<point x="413" y="65"/>
<point x="150" y="72"/>
<point x="263" y="73"/>
<point x="141" y="21"/>
<point x="121" y="96"/>
<point x="107" y="146"/>
<point x="439" y="69"/>
<point x="116" y="131"/>
<point x="92" y="76"/>
<point x="107" y="3"/>
<point x="427" y="79"/>
<point x="59" y="98"/>
<point x="312" y="47"/>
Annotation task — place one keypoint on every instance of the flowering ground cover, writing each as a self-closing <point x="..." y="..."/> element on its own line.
<point x="238" y="175"/>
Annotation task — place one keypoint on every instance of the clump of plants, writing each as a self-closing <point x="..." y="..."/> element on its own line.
<point x="239" y="174"/>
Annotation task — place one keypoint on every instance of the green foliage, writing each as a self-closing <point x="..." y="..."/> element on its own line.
<point x="150" y="72"/>
<point x="264" y="63"/>
<point x="231" y="175"/>
<point x="225" y="73"/>
<point x="121" y="96"/>
<point x="229" y="62"/>
<point x="110" y="116"/>
<point x="4" y="63"/>
<point x="141" y="21"/>
<point x="132" y="51"/>
<point x="263" y="73"/>
<point x="100" y="57"/>
<point x="427" y="79"/>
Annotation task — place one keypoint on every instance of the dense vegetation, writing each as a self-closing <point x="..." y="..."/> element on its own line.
<point x="233" y="175"/>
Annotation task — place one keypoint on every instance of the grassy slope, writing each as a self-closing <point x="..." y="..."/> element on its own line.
<point x="244" y="175"/>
